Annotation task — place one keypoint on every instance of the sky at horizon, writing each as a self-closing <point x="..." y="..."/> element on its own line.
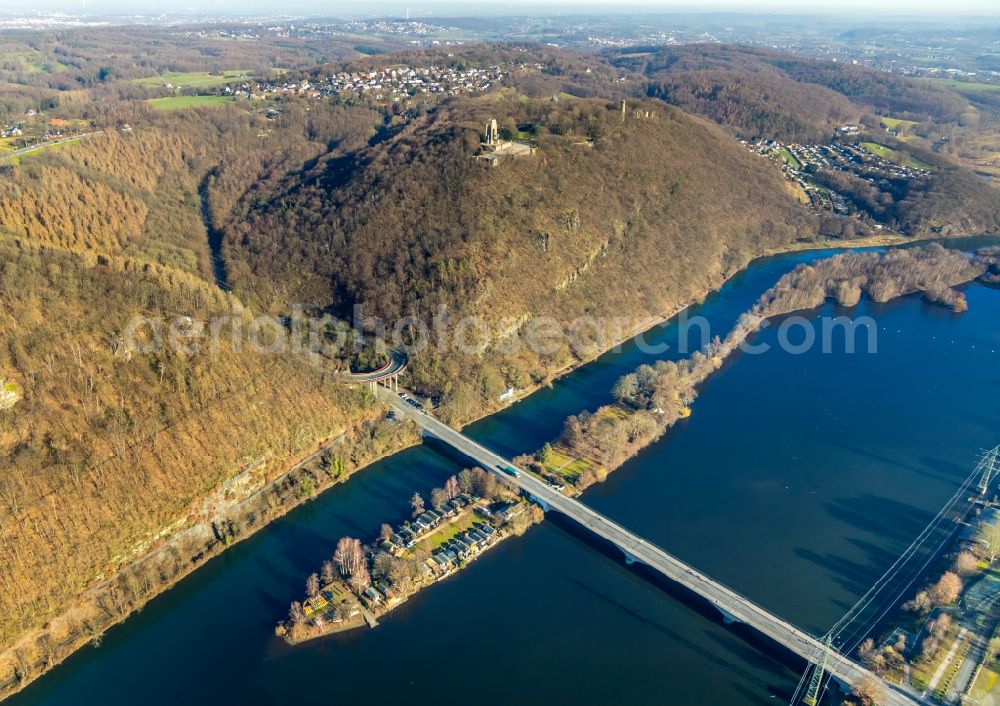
<point x="853" y="9"/>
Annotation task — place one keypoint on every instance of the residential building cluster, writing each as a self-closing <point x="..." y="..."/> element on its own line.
<point x="798" y="162"/>
<point x="379" y="84"/>
<point x="338" y="602"/>
<point x="464" y="544"/>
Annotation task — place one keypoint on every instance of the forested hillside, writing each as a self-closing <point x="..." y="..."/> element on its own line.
<point x="108" y="450"/>
<point x="765" y="94"/>
<point x="609" y="218"/>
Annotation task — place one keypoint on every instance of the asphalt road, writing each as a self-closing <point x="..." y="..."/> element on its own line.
<point x="44" y="145"/>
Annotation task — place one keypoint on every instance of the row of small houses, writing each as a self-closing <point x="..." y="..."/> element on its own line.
<point x="460" y="547"/>
<point x="464" y="545"/>
<point x="410" y="532"/>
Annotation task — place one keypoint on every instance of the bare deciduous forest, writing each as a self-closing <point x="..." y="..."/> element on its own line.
<point x="122" y="469"/>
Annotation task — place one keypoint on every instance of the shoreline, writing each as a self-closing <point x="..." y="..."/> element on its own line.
<point x="197" y="562"/>
<point x="648" y="323"/>
<point x="368" y="614"/>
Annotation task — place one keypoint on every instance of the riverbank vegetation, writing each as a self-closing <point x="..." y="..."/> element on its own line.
<point x="944" y="640"/>
<point x="654" y="397"/>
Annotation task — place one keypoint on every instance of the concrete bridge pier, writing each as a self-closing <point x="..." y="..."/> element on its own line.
<point x="727" y="617"/>
<point x="538" y="501"/>
<point x="844" y="687"/>
<point x="629" y="557"/>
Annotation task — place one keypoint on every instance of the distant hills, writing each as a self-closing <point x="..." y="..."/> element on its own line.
<point x="769" y="94"/>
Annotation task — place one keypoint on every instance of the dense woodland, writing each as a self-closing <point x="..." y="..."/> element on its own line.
<point x="413" y="223"/>
<point x="765" y="94"/>
<point x="108" y="453"/>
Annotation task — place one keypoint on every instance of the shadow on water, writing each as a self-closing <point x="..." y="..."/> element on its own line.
<point x="880" y="458"/>
<point x="760" y="644"/>
<point x="744" y="654"/>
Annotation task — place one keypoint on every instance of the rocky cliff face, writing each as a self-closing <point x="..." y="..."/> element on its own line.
<point x="9" y="395"/>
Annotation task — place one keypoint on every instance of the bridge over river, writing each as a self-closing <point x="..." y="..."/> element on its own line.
<point x="733" y="606"/>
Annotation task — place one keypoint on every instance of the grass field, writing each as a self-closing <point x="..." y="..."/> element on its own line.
<point x="789" y="158"/>
<point x="894" y="156"/>
<point x="446" y="532"/>
<point x="966" y="85"/>
<point x="43" y="147"/>
<point x="985" y="689"/>
<point x="612" y="411"/>
<point x="194" y="79"/>
<point x="34" y="62"/>
<point x="893" y="123"/>
<point x="181" y="102"/>
<point x="563" y="463"/>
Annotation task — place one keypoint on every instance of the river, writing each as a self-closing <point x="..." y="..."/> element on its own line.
<point x="796" y="481"/>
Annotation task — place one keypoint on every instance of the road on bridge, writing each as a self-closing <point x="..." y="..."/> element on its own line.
<point x="732" y="605"/>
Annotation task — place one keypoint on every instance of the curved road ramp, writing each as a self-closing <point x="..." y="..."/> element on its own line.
<point x="387" y="375"/>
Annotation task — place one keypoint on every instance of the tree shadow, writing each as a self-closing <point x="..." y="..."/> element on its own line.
<point x="894" y="462"/>
<point x="880" y="515"/>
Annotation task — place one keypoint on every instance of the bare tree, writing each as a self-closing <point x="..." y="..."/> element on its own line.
<point x="989" y="535"/>
<point x="439" y="496"/>
<point x="360" y="579"/>
<point x="327" y="573"/>
<point x="312" y="585"/>
<point x="417" y="503"/>
<point x="341" y="556"/>
<point x="451" y="487"/>
<point x="947" y="589"/>
<point x="357" y="557"/>
<point x="868" y="691"/>
<point x="467" y="481"/>
<point x="296" y="614"/>
<point x="385" y="532"/>
<point x="866" y="649"/>
<point x="920" y="604"/>
<point x="382" y="564"/>
<point x="349" y="556"/>
<point x="966" y="563"/>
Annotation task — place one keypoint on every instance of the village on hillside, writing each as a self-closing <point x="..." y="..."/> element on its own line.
<point x="378" y="84"/>
<point x="867" y="161"/>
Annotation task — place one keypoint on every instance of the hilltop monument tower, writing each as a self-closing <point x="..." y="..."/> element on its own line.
<point x="492" y="133"/>
<point x="493" y="149"/>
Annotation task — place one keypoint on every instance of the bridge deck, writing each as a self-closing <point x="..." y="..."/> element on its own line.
<point x="730" y="603"/>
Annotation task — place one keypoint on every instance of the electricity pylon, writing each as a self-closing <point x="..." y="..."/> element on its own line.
<point x="819" y="671"/>
<point x="989" y="465"/>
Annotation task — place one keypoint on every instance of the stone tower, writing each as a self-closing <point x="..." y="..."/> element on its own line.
<point x="492" y="132"/>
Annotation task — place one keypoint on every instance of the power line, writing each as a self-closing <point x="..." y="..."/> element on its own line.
<point x="986" y="469"/>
